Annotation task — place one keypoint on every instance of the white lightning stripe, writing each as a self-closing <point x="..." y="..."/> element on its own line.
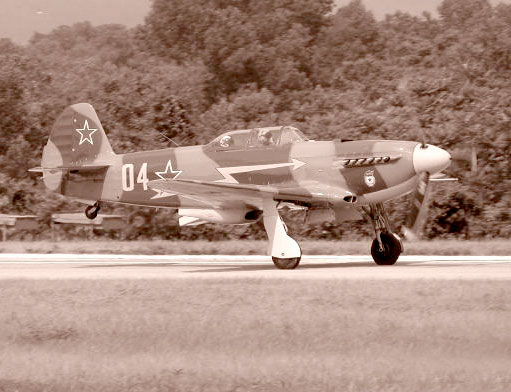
<point x="161" y="194"/>
<point x="228" y="171"/>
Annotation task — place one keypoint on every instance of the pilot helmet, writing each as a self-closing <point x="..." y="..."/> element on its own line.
<point x="265" y="137"/>
<point x="226" y="141"/>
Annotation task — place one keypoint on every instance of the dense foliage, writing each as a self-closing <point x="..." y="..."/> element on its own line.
<point x="197" y="68"/>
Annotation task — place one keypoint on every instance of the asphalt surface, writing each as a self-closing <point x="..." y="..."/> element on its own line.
<point x="60" y="266"/>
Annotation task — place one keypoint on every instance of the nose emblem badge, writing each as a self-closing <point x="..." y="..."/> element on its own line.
<point x="369" y="178"/>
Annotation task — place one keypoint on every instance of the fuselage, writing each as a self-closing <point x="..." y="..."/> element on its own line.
<point x="371" y="171"/>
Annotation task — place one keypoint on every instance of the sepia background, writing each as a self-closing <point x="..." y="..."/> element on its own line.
<point x="192" y="69"/>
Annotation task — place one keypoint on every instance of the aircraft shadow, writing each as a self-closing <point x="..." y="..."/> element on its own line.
<point x="191" y="264"/>
<point x="229" y="268"/>
<point x="204" y="268"/>
<point x="340" y="265"/>
<point x="114" y="265"/>
<point x="260" y="267"/>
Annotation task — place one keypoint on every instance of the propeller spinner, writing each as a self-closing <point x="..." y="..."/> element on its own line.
<point x="430" y="159"/>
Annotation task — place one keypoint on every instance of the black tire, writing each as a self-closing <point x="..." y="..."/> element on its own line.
<point x="391" y="249"/>
<point x="290" y="263"/>
<point x="91" y="212"/>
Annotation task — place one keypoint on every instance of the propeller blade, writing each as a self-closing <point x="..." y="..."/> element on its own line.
<point x="418" y="209"/>
<point x="466" y="155"/>
<point x="423" y="138"/>
<point x="473" y="162"/>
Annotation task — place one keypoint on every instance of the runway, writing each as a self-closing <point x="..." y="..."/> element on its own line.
<point x="89" y="266"/>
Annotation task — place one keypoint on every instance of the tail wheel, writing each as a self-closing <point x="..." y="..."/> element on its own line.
<point x="91" y="212"/>
<point x="290" y="263"/>
<point x="391" y="249"/>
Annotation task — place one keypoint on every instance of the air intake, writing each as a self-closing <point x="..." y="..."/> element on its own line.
<point x="350" y="199"/>
<point x="253" y="215"/>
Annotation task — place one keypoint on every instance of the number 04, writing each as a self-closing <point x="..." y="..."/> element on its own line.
<point x="128" y="177"/>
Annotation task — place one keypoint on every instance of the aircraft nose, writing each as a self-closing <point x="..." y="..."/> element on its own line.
<point x="430" y="159"/>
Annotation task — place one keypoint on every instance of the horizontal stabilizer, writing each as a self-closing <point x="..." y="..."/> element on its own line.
<point x="68" y="168"/>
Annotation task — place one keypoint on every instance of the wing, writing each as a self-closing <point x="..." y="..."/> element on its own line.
<point x="218" y="194"/>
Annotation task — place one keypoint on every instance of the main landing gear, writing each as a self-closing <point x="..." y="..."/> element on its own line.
<point x="91" y="212"/>
<point x="284" y="250"/>
<point x="387" y="246"/>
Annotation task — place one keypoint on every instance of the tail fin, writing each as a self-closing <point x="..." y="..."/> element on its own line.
<point x="77" y="138"/>
<point x="77" y="142"/>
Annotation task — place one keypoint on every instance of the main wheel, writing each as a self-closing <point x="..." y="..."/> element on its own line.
<point x="91" y="212"/>
<point x="391" y="249"/>
<point x="290" y="263"/>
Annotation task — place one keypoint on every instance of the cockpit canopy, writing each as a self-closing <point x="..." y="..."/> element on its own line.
<point x="257" y="138"/>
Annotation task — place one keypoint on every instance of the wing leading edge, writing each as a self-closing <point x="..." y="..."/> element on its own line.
<point x="218" y="193"/>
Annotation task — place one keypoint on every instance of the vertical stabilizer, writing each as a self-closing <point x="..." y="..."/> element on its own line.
<point x="77" y="139"/>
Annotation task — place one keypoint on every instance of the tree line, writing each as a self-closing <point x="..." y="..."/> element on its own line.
<point x="195" y="69"/>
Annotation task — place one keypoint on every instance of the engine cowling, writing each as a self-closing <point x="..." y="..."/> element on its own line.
<point x="196" y="216"/>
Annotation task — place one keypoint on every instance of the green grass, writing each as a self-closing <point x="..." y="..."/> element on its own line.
<point x="255" y="335"/>
<point x="497" y="247"/>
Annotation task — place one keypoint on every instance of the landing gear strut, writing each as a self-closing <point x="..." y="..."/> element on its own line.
<point x="285" y="251"/>
<point x="91" y="212"/>
<point x="387" y="246"/>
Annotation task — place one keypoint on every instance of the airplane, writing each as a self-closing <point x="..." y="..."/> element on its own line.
<point x="243" y="176"/>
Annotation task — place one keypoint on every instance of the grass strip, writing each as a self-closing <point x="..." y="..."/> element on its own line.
<point x="257" y="335"/>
